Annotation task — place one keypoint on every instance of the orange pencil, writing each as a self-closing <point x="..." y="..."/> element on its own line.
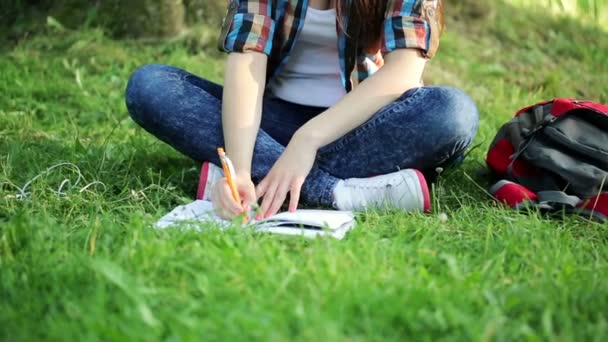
<point x="229" y="173"/>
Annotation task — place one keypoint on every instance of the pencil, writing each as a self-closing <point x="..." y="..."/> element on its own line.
<point x="229" y="173"/>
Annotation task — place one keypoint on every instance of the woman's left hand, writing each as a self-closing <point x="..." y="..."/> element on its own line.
<point x="287" y="175"/>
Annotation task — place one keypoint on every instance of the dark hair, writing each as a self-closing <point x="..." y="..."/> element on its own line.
<point x="366" y="18"/>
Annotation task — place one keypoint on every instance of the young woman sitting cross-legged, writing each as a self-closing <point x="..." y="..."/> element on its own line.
<point x="322" y="102"/>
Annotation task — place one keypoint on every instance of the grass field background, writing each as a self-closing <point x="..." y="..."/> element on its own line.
<point x="79" y="261"/>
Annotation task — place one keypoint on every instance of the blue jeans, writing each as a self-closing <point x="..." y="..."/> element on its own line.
<point x="424" y="128"/>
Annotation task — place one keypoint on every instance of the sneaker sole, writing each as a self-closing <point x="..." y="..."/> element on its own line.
<point x="202" y="182"/>
<point x="426" y="197"/>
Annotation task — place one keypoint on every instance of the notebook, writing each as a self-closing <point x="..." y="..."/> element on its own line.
<point x="303" y="222"/>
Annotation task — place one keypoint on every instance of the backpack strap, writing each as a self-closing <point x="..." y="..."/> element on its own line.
<point x="514" y="195"/>
<point x="518" y="197"/>
<point x="595" y="207"/>
<point x="558" y="199"/>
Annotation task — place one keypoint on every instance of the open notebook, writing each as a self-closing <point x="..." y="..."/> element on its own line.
<point x="303" y="222"/>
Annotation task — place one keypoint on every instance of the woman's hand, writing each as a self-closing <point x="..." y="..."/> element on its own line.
<point x="287" y="175"/>
<point x="225" y="205"/>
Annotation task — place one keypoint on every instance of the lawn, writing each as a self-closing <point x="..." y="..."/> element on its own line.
<point x="80" y="186"/>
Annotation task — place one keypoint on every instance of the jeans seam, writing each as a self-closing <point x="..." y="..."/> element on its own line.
<point x="390" y="109"/>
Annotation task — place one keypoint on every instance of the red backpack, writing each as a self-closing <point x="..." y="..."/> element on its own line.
<point x="554" y="156"/>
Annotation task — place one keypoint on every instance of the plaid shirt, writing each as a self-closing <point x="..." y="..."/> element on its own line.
<point x="272" y="26"/>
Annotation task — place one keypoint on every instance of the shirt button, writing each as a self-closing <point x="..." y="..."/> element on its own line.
<point x="430" y="12"/>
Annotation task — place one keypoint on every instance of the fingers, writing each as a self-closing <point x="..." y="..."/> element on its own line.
<point x="248" y="199"/>
<point x="260" y="190"/>
<point x="277" y="201"/>
<point x="248" y="196"/>
<point x="223" y="201"/>
<point x="267" y="201"/>
<point x="229" y="204"/>
<point x="294" y="194"/>
<point x="220" y="210"/>
<point x="275" y="194"/>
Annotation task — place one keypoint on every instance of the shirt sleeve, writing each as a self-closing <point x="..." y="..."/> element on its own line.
<point x="248" y="26"/>
<point x="413" y="24"/>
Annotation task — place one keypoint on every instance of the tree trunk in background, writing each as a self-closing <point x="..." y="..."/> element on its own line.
<point x="142" y="18"/>
<point x="469" y="9"/>
<point x="172" y="15"/>
<point x="208" y="12"/>
<point x="120" y="18"/>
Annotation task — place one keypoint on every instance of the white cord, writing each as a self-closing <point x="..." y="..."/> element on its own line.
<point x="63" y="187"/>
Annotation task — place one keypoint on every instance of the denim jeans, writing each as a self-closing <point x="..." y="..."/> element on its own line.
<point x="424" y="128"/>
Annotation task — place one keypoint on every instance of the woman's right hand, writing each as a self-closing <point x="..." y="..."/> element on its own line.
<point x="225" y="205"/>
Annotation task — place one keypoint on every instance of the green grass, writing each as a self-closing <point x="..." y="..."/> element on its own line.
<point x="86" y="265"/>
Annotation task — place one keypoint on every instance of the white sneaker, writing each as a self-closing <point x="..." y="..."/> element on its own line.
<point x="210" y="173"/>
<point x="405" y="189"/>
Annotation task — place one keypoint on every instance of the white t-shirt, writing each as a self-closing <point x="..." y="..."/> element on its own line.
<point x="312" y="74"/>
